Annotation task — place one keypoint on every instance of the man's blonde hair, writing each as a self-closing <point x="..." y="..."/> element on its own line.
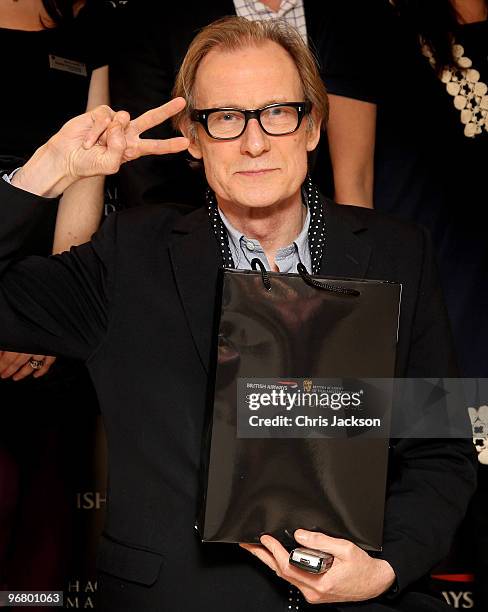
<point x="233" y="33"/>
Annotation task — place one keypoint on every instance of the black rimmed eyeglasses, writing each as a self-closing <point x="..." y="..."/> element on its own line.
<point x="275" y="119"/>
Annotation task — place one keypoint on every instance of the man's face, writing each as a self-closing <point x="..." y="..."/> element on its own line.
<point x="255" y="170"/>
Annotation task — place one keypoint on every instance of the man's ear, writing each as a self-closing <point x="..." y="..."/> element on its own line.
<point x="313" y="130"/>
<point x="189" y="130"/>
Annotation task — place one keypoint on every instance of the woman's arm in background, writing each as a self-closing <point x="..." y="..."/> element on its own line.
<point x="80" y="208"/>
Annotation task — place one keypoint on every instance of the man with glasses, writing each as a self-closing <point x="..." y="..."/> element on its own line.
<point x="137" y="304"/>
<point x="151" y="44"/>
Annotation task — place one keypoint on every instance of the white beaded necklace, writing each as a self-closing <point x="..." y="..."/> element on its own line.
<point x="470" y="94"/>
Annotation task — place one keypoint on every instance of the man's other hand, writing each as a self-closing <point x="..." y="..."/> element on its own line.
<point x="354" y="575"/>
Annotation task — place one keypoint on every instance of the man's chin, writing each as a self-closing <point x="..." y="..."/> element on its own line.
<point x="259" y="195"/>
<point x="258" y="200"/>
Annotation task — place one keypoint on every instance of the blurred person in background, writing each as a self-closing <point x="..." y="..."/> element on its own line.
<point x="154" y="38"/>
<point x="54" y="60"/>
<point x="432" y="146"/>
<point x="431" y="159"/>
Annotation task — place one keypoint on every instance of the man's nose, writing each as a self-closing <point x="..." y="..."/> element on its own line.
<point x="254" y="141"/>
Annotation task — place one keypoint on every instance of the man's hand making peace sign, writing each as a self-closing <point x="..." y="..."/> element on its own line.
<point x="95" y="144"/>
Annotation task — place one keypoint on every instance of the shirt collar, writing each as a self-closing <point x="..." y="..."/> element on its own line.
<point x="235" y="238"/>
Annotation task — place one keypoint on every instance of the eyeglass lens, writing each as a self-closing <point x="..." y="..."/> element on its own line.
<point x="276" y="120"/>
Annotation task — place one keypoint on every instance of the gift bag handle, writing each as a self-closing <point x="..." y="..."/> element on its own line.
<point x="302" y="270"/>
<point x="257" y="263"/>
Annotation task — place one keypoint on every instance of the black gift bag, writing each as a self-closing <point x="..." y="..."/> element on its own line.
<point x="286" y="332"/>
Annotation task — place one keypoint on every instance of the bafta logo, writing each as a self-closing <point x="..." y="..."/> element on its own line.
<point x="307" y="385"/>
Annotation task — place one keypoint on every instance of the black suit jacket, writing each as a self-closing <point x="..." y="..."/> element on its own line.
<point x="137" y="304"/>
<point x="152" y="45"/>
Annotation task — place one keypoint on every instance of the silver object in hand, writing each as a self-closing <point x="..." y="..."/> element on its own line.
<point x="311" y="560"/>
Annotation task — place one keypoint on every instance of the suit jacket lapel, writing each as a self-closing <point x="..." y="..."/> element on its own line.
<point x="346" y="254"/>
<point x="196" y="259"/>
